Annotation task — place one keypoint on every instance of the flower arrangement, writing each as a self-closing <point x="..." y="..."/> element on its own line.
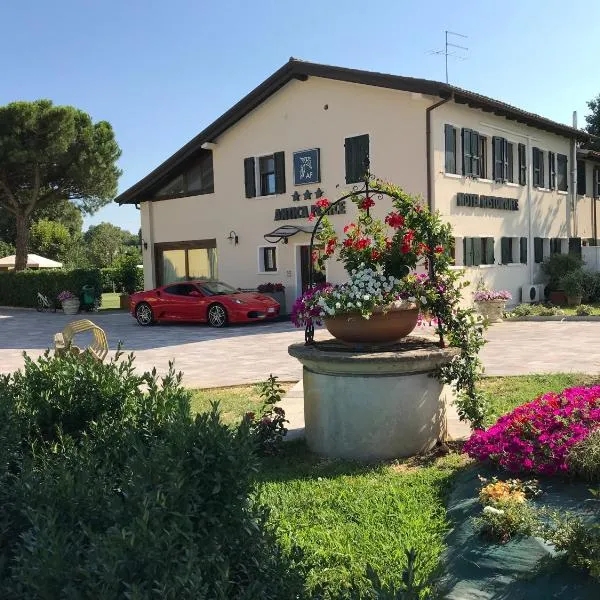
<point x="488" y="295"/>
<point x="66" y="295"/>
<point x="268" y="288"/>
<point x="537" y="437"/>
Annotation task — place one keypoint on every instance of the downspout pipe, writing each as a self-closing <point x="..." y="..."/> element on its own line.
<point x="428" y="150"/>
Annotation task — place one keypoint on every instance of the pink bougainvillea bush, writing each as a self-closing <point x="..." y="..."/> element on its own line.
<point x="537" y="437"/>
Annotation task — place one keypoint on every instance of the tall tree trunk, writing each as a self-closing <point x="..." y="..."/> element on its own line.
<point x="22" y="241"/>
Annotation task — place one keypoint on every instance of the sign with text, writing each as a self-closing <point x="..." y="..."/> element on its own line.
<point x="481" y="201"/>
<point x="303" y="212"/>
<point x="306" y="167"/>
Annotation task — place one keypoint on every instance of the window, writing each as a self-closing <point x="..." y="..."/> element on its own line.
<point x="450" y="139"/>
<point x="555" y="246"/>
<point x="562" y="173"/>
<point x="470" y="153"/>
<point x="523" y="251"/>
<point x="184" y="261"/>
<point x="596" y="182"/>
<point x="581" y="179"/>
<point x="538" y="167"/>
<point x="483" y="157"/>
<point x="575" y="246"/>
<point x="196" y="179"/>
<point x="181" y="289"/>
<point x="538" y="249"/>
<point x="357" y="157"/>
<point x="500" y="158"/>
<point x="522" y="164"/>
<point x="506" y="250"/>
<point x="510" y="162"/>
<point x="478" y="251"/>
<point x="271" y="175"/>
<point x="551" y="170"/>
<point x="267" y="259"/>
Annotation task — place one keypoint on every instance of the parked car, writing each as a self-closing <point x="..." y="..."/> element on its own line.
<point x="212" y="302"/>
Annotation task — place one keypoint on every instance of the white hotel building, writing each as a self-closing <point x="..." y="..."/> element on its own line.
<point x="514" y="185"/>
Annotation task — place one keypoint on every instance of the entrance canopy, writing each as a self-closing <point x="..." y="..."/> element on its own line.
<point x="281" y="234"/>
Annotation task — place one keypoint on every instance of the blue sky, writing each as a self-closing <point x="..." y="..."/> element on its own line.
<point x="160" y="71"/>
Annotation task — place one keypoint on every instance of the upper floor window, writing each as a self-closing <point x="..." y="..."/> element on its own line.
<point x="483" y="154"/>
<point x="500" y="158"/>
<point x="562" y="172"/>
<point x="538" y="167"/>
<point x="522" y="164"/>
<point x="450" y="151"/>
<point x="471" y="153"/>
<point x="357" y="157"/>
<point x="551" y="170"/>
<point x="270" y="175"/>
<point x="581" y="181"/>
<point x="478" y="251"/>
<point x="197" y="179"/>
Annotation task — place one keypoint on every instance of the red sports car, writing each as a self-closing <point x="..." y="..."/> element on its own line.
<point x="212" y="302"/>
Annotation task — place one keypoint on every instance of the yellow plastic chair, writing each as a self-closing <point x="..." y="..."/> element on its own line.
<point x="63" y="341"/>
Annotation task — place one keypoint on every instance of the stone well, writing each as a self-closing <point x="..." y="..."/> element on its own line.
<point x="374" y="403"/>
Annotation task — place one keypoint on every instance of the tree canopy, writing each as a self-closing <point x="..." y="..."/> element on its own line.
<point x="50" y="154"/>
<point x="593" y="123"/>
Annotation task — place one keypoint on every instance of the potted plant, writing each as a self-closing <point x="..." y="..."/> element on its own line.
<point x="127" y="274"/>
<point x="380" y="302"/>
<point x="555" y="267"/>
<point x="572" y="285"/>
<point x="69" y="301"/>
<point x="491" y="303"/>
<point x="275" y="291"/>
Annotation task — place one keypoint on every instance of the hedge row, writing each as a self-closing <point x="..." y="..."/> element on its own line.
<point x="21" y="288"/>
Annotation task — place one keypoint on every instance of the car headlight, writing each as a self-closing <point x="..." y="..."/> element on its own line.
<point x="238" y="301"/>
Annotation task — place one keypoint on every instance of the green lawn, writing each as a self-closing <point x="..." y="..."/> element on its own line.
<point x="346" y="515"/>
<point x="572" y="310"/>
<point x="110" y="300"/>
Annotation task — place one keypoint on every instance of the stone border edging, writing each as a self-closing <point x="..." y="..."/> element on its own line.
<point x="554" y="318"/>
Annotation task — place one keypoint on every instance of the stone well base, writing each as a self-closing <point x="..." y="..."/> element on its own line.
<point x="373" y="405"/>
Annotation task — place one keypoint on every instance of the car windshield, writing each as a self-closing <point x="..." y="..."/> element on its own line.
<point x="217" y="288"/>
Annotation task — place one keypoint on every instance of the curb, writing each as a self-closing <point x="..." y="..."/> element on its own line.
<point x="589" y="318"/>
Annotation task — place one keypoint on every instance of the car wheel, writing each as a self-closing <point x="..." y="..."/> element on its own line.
<point x="217" y="316"/>
<point x="143" y="314"/>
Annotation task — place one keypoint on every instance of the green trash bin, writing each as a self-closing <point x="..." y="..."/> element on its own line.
<point x="88" y="297"/>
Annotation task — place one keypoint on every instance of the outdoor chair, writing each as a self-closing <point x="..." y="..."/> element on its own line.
<point x="63" y="341"/>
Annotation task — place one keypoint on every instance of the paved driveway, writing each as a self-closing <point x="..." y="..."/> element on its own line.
<point x="248" y="353"/>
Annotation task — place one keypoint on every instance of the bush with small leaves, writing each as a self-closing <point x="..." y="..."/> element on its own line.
<point x="584" y="457"/>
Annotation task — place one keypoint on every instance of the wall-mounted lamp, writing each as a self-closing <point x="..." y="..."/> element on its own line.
<point x="233" y="237"/>
<point x="145" y="244"/>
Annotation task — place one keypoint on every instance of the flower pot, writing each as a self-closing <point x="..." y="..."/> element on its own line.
<point x="385" y="326"/>
<point x="491" y="310"/>
<point x="573" y="300"/>
<point x="557" y="298"/>
<point x="70" y="306"/>
<point x="124" y="301"/>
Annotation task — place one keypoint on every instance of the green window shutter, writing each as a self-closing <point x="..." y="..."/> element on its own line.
<point x="450" y="137"/>
<point x="538" y="249"/>
<point x="575" y="246"/>
<point x="476" y="168"/>
<point x="562" y="172"/>
<point x="536" y="167"/>
<point x="250" y="177"/>
<point x="467" y="157"/>
<point x="477" y="251"/>
<point x="504" y="160"/>
<point x="506" y="250"/>
<point x="551" y="170"/>
<point x="468" y="252"/>
<point x="581" y="181"/>
<point x="497" y="158"/>
<point x="522" y="164"/>
<point x="510" y="162"/>
<point x="357" y="154"/>
<point x="523" y="250"/>
<point x="489" y="251"/>
<point x="596" y="182"/>
<point x="279" y="158"/>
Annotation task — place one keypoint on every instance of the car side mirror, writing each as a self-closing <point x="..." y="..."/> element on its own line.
<point x="195" y="294"/>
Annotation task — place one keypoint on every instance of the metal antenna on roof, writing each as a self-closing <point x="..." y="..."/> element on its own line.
<point x="446" y="52"/>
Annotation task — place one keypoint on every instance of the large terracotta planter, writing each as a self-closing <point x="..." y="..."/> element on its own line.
<point x="385" y="326"/>
<point x="574" y="300"/>
<point x="557" y="298"/>
<point x="71" y="306"/>
<point x="491" y="310"/>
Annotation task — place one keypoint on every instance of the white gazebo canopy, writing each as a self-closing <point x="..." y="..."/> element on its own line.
<point x="33" y="262"/>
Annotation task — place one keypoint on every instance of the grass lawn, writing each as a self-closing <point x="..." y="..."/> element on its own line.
<point x="110" y="300"/>
<point x="345" y="515"/>
<point x="572" y="310"/>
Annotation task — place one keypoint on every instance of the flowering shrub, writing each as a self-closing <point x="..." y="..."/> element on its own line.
<point x="66" y="295"/>
<point x="538" y="436"/>
<point x="270" y="287"/>
<point x="486" y="295"/>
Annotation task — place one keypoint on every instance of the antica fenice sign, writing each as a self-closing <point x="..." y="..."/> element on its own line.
<point x="303" y="212"/>
<point x="480" y="201"/>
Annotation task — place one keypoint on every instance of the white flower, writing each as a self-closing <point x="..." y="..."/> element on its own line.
<point x="338" y="305"/>
<point x="366" y="297"/>
<point x="423" y="300"/>
<point x="359" y="304"/>
<point x="490" y="510"/>
<point x="411" y="299"/>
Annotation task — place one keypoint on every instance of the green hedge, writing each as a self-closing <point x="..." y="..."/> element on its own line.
<point x="21" y="288"/>
<point x="115" y="279"/>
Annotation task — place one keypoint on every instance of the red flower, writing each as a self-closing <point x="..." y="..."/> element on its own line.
<point x="375" y="255"/>
<point x="250" y="416"/>
<point x="367" y="202"/>
<point x="347" y="228"/>
<point x="418" y="208"/>
<point x="348" y="242"/>
<point x="395" y="220"/>
<point x="363" y="243"/>
<point x="439" y="249"/>
<point x="408" y="237"/>
<point x="330" y="246"/>
<point x="388" y="243"/>
<point x="322" y="203"/>
<point x="405" y="248"/>
<point x="422" y="248"/>
<point x="311" y="217"/>
<point x="315" y="256"/>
